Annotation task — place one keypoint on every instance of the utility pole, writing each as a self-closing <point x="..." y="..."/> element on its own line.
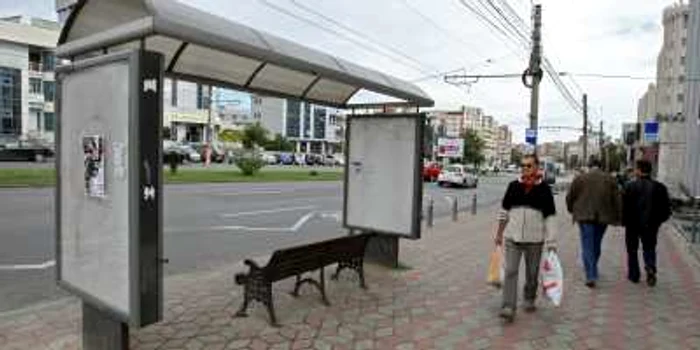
<point x="208" y="149"/>
<point x="585" y="129"/>
<point x="601" y="143"/>
<point x="534" y="70"/>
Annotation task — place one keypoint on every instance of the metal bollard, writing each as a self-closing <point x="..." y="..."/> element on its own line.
<point x="455" y="215"/>
<point x="474" y="204"/>
<point x="431" y="207"/>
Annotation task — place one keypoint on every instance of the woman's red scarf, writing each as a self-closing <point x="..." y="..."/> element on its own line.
<point x="528" y="182"/>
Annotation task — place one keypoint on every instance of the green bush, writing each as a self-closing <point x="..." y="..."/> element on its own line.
<point x="249" y="163"/>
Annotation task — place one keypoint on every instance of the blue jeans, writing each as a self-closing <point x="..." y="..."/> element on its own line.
<point x="591" y="241"/>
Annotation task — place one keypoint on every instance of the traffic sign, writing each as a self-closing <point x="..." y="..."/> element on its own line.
<point x="651" y="131"/>
<point x="531" y="136"/>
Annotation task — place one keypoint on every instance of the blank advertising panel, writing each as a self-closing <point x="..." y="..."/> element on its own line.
<point x="383" y="188"/>
<point x="109" y="165"/>
<point x="94" y="186"/>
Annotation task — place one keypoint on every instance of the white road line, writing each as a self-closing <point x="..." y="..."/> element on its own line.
<point x="19" y="267"/>
<point x="268" y="211"/>
<point x="302" y="221"/>
<point x="250" y="193"/>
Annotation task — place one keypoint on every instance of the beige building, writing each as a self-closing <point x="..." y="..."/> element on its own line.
<point x="27" y="82"/>
<point x="670" y="94"/>
<point x="646" y="108"/>
<point x="504" y="145"/>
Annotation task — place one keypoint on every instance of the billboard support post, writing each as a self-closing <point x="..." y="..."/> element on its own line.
<point x="101" y="331"/>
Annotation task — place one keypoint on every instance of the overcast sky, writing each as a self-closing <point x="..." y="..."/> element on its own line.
<point x="413" y="39"/>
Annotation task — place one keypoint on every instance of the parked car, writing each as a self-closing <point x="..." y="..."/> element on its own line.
<point x="191" y="154"/>
<point x="25" y="151"/>
<point x="286" y="159"/>
<point x="270" y="158"/>
<point x="172" y="152"/>
<point x="457" y="175"/>
<point x="339" y="159"/>
<point x="431" y="171"/>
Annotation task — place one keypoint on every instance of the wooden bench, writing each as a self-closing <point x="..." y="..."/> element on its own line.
<point x="348" y="252"/>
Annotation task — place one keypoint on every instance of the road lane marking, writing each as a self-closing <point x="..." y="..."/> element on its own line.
<point x="19" y="267"/>
<point x="268" y="211"/>
<point x="302" y="221"/>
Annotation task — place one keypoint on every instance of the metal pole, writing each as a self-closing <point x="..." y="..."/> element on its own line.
<point x="455" y="215"/>
<point x="585" y="130"/>
<point x="474" y="204"/>
<point x="535" y="70"/>
<point x="208" y="150"/>
<point x="431" y="208"/>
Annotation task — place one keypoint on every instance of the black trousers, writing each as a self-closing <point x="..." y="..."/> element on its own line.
<point x="648" y="236"/>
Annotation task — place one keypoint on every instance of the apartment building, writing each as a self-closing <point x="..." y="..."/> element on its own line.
<point x="27" y="81"/>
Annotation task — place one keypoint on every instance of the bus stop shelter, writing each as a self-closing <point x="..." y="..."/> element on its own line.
<point x="109" y="215"/>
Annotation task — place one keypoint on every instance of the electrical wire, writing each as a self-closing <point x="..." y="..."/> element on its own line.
<point x="357" y="33"/>
<point x="413" y="65"/>
<point x="440" y="28"/>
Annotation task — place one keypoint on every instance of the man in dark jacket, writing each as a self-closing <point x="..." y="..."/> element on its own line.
<point x="594" y="201"/>
<point x="646" y="207"/>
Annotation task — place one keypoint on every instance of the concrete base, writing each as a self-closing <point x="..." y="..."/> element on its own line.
<point x="384" y="250"/>
<point x="102" y="332"/>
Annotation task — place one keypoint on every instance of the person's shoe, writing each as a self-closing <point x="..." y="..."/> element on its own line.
<point x="590" y="284"/>
<point x="507" y="314"/>
<point x="633" y="280"/>
<point x="651" y="278"/>
<point x="529" y="306"/>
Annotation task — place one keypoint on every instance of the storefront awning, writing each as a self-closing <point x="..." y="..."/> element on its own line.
<point x="206" y="48"/>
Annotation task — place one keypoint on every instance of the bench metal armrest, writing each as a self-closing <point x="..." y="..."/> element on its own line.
<point x="252" y="264"/>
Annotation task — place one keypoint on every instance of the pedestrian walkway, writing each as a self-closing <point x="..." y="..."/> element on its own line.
<point x="437" y="300"/>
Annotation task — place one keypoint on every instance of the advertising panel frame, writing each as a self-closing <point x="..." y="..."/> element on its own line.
<point x="144" y="164"/>
<point x="417" y="202"/>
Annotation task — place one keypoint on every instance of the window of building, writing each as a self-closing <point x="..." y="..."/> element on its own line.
<point x="34" y="86"/>
<point x="685" y="21"/>
<point x="35" y="61"/>
<point x="200" y="97"/>
<point x="10" y="100"/>
<point x="293" y="118"/>
<point x="680" y="98"/>
<point x="319" y="123"/>
<point x="684" y="42"/>
<point x="681" y="79"/>
<point x="173" y="93"/>
<point x="307" y="121"/>
<point x="682" y="60"/>
<point x="49" y="121"/>
<point x="48" y="61"/>
<point x="49" y="91"/>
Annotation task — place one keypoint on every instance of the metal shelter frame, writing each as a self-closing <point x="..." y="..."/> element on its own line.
<point x="202" y="47"/>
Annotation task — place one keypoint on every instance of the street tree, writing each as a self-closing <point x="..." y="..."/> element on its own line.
<point x="279" y="143"/>
<point x="473" y="148"/>
<point x="254" y="135"/>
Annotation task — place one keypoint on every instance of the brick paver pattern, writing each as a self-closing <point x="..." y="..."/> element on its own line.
<point x="440" y="301"/>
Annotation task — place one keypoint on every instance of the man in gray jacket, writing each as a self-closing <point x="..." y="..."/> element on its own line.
<point x="594" y="200"/>
<point x="526" y="223"/>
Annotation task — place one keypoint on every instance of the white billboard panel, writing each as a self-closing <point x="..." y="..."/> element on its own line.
<point x="108" y="194"/>
<point x="383" y="188"/>
<point x="95" y="198"/>
<point x="450" y="147"/>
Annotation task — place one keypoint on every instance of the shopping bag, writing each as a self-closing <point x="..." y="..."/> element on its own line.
<point x="495" y="276"/>
<point x="552" y="278"/>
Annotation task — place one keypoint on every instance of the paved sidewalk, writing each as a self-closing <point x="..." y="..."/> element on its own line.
<point x="440" y="302"/>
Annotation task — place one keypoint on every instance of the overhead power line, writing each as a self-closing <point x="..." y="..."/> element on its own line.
<point x="405" y="59"/>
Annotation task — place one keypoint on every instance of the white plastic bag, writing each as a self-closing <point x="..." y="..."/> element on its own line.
<point x="552" y="278"/>
<point x="496" y="267"/>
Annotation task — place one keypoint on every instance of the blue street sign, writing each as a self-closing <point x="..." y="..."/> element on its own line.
<point x="651" y="131"/>
<point x="531" y="136"/>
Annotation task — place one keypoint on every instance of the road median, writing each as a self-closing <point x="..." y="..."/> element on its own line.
<point x="14" y="178"/>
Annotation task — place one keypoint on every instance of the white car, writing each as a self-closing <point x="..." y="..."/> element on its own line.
<point x="457" y="175"/>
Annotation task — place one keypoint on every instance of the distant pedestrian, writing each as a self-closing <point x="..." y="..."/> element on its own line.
<point x="646" y="206"/>
<point x="594" y="201"/>
<point x="526" y="223"/>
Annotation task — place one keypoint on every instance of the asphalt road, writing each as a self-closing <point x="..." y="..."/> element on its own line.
<point x="205" y="226"/>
